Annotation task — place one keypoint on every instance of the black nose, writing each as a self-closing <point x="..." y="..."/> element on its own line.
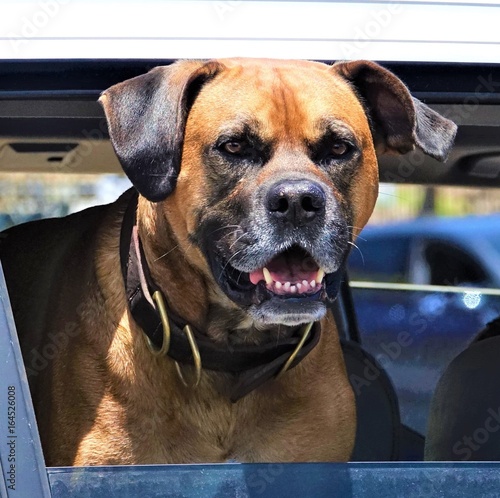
<point x="296" y="201"/>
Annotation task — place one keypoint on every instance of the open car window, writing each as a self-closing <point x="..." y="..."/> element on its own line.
<point x="426" y="285"/>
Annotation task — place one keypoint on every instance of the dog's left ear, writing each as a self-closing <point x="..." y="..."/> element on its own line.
<point x="146" y="118"/>
<point x="400" y="120"/>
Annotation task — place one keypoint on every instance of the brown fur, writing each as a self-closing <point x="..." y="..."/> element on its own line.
<point x="103" y="398"/>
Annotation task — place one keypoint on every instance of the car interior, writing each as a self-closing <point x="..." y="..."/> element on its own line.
<point x="55" y="125"/>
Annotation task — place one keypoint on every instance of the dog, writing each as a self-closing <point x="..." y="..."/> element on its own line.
<point x="190" y="321"/>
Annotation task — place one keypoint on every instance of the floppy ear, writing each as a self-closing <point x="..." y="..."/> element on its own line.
<point x="399" y="120"/>
<point x="146" y="117"/>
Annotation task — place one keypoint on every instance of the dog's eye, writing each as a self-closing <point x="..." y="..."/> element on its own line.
<point x="234" y="146"/>
<point x="242" y="150"/>
<point x="332" y="151"/>
<point x="339" y="148"/>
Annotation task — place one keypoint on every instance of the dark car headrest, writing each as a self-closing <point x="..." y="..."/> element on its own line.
<point x="464" y="420"/>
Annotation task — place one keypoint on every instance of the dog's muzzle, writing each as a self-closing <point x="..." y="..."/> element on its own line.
<point x="284" y="261"/>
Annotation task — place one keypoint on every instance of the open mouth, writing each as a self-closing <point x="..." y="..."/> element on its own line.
<point x="291" y="276"/>
<point x="291" y="273"/>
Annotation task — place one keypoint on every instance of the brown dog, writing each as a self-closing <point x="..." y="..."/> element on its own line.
<point x="254" y="177"/>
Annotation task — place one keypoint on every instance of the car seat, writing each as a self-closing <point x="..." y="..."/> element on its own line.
<point x="380" y="435"/>
<point x="464" y="419"/>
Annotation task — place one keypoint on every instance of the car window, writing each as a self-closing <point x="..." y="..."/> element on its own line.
<point x="386" y="260"/>
<point x="450" y="265"/>
<point x="421" y="299"/>
<point x="416" y="309"/>
<point x="27" y="197"/>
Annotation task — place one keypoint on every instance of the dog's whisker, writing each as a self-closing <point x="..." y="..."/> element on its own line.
<point x="225" y="228"/>
<point x="239" y="238"/>
<point x="359" y="238"/>
<point x="238" y="279"/>
<point x="228" y="261"/>
<point x="167" y="253"/>
<point x="360" y="252"/>
<point x="232" y="257"/>
<point x="356" y="228"/>
<point x="352" y="228"/>
<point x="178" y="246"/>
<point x="396" y="196"/>
<point x="278" y="334"/>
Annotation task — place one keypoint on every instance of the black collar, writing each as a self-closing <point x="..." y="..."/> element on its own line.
<point x="251" y="365"/>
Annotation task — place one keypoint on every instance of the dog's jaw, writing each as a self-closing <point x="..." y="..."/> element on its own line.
<point x="266" y="283"/>
<point x="279" y="312"/>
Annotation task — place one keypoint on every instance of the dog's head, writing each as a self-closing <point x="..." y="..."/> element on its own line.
<point x="267" y="168"/>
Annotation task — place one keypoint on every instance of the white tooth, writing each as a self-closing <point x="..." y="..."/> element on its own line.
<point x="305" y="283"/>
<point x="299" y="287"/>
<point x="267" y="276"/>
<point x="320" y="275"/>
<point x="293" y="289"/>
<point x="286" y="286"/>
<point x="313" y="283"/>
<point x="278" y="285"/>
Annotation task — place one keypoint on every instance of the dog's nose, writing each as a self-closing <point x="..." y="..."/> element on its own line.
<point x="296" y="201"/>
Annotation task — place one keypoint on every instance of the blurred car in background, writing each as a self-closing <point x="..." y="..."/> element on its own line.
<point x="462" y="251"/>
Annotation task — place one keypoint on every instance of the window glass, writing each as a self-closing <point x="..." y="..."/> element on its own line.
<point x="420" y="238"/>
<point x="380" y="260"/>
<point x="31" y="196"/>
<point x="449" y="265"/>
<point x="414" y="335"/>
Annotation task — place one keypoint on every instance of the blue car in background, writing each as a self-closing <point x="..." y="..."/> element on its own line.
<point x="408" y="280"/>
<point x="430" y="251"/>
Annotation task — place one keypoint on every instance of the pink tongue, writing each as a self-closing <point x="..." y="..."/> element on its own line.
<point x="288" y="268"/>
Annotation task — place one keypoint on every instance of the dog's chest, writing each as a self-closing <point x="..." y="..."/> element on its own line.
<point x="192" y="432"/>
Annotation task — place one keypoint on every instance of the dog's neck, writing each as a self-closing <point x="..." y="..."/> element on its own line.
<point x="208" y="309"/>
<point x="204" y="336"/>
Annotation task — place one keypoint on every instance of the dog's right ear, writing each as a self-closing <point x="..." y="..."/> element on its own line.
<point x="146" y="118"/>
